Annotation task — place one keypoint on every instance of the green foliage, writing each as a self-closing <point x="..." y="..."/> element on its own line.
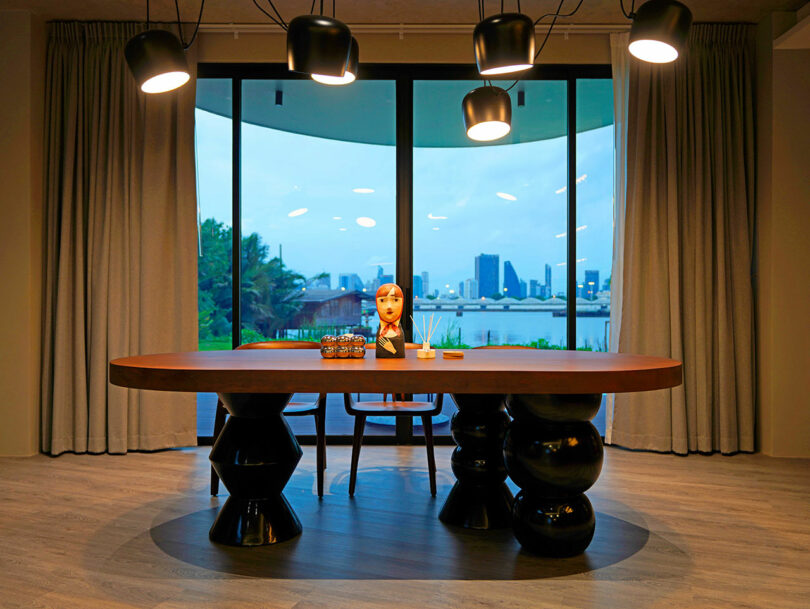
<point x="269" y="290"/>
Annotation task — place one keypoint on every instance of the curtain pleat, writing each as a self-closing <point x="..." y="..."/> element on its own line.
<point x="121" y="244"/>
<point x="687" y="291"/>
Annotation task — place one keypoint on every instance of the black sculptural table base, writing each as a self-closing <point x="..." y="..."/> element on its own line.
<point x="480" y="498"/>
<point x="254" y="456"/>
<point x="550" y="450"/>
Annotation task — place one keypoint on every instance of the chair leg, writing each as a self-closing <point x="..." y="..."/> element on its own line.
<point x="427" y="426"/>
<point x="219" y="423"/>
<point x="359" y="427"/>
<point x="320" y="449"/>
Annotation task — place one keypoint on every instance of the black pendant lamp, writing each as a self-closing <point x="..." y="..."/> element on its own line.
<point x="317" y="44"/>
<point x="504" y="43"/>
<point x="351" y="69"/>
<point x="487" y="113"/>
<point x="157" y="60"/>
<point x="660" y="31"/>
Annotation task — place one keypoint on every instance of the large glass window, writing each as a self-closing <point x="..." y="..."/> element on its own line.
<point x="318" y="214"/>
<point x="324" y="178"/>
<point x="490" y="219"/>
<point x="594" y="212"/>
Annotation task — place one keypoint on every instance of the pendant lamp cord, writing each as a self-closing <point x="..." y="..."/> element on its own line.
<point x="180" y="23"/>
<point x="147" y="14"/>
<point x="279" y="22"/>
<point x="312" y="8"/>
<point x="632" y="13"/>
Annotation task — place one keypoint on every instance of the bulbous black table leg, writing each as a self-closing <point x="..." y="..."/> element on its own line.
<point x="554" y="454"/>
<point x="254" y="456"/>
<point x="480" y="498"/>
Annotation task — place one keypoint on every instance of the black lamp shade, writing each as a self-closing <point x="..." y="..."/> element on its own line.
<point x="504" y="43"/>
<point x="157" y="60"/>
<point x="660" y="31"/>
<point x="487" y="113"/>
<point x="351" y="69"/>
<point x="318" y="45"/>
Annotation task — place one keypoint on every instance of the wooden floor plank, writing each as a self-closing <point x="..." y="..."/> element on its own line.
<point x="122" y="532"/>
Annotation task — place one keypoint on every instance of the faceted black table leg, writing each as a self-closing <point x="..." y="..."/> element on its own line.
<point x="480" y="498"/>
<point x="554" y="454"/>
<point x="254" y="456"/>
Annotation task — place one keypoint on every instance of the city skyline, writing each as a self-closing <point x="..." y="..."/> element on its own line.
<point x="325" y="226"/>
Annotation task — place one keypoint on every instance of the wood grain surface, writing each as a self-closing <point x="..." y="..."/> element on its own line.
<point x="130" y="532"/>
<point x="481" y="371"/>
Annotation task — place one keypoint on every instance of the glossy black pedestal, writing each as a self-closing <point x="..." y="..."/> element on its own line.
<point x="554" y="454"/>
<point x="480" y="498"/>
<point x="254" y="456"/>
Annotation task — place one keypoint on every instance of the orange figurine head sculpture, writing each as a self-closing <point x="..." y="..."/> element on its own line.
<point x="390" y="304"/>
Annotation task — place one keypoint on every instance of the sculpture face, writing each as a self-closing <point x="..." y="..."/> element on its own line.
<point x="390" y="303"/>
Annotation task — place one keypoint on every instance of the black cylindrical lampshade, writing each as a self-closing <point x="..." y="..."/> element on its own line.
<point x="157" y="60"/>
<point x="660" y="30"/>
<point x="318" y="45"/>
<point x="487" y="113"/>
<point x="351" y="69"/>
<point x="504" y="43"/>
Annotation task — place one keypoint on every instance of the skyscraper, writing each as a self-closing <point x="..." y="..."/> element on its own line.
<point x="591" y="285"/>
<point x="523" y="289"/>
<point x="535" y="289"/>
<point x="511" y="283"/>
<point x="425" y="284"/>
<point x="350" y="282"/>
<point x="417" y="287"/>
<point x="547" y="292"/>
<point x="471" y="289"/>
<point x="487" y="274"/>
<point x="461" y="292"/>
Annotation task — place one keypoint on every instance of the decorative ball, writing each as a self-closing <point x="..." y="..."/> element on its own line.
<point x="328" y="340"/>
<point x="358" y="341"/>
<point x="357" y="352"/>
<point x="327" y="352"/>
<point x="342" y="351"/>
<point x="344" y="340"/>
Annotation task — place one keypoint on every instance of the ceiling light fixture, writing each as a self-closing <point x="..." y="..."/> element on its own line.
<point x="660" y="30"/>
<point x="349" y="75"/>
<point x="157" y="58"/>
<point x="504" y="44"/>
<point x="487" y="113"/>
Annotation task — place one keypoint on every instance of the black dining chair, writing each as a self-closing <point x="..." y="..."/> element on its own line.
<point x="394" y="408"/>
<point x="293" y="409"/>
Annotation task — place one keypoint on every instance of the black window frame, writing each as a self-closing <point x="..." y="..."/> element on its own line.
<point x="404" y="75"/>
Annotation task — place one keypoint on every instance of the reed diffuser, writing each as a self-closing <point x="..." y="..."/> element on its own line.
<point x="426" y="334"/>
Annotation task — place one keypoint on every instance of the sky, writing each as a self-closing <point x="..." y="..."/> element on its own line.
<point x="300" y="192"/>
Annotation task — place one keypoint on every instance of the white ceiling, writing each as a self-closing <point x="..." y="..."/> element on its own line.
<point x="381" y="11"/>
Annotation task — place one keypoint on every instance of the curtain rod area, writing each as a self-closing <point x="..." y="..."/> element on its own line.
<point x="407" y="28"/>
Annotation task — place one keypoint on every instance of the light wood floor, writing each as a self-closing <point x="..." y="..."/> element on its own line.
<point x="116" y="532"/>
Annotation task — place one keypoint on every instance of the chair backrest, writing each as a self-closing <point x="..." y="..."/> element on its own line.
<point x="282" y="344"/>
<point x="504" y="347"/>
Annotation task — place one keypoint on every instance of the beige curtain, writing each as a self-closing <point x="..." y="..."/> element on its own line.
<point x="688" y="246"/>
<point x="620" y="67"/>
<point x="121" y="244"/>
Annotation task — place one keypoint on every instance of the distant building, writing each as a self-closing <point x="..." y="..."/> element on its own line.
<point x="534" y="288"/>
<point x="547" y="286"/>
<point x="350" y="282"/>
<point x="487" y="274"/>
<point x="425" y="283"/>
<point x="606" y="285"/>
<point x="417" y="287"/>
<point x="511" y="283"/>
<point x="330" y="308"/>
<point x="591" y="284"/>
<point x="385" y="279"/>
<point x="324" y="282"/>
<point x="524" y="292"/>
<point x="461" y="292"/>
<point x="471" y="289"/>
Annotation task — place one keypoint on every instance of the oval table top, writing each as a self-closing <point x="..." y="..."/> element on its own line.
<point x="498" y="371"/>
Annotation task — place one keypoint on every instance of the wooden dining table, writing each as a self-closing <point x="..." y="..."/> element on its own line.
<point x="522" y="413"/>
